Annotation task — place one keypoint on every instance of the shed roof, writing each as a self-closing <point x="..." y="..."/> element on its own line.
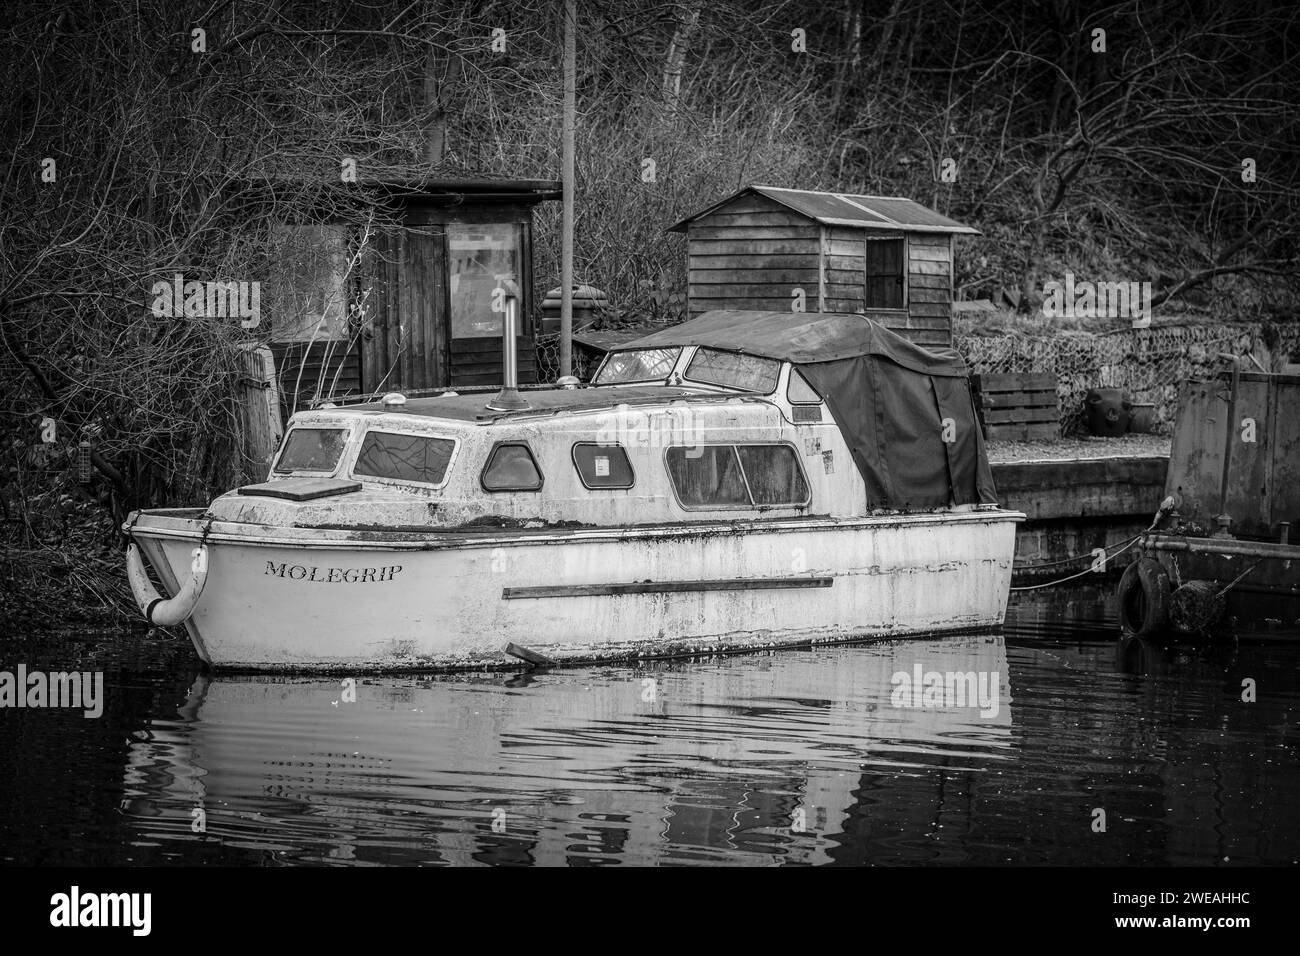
<point x="434" y="184"/>
<point x="891" y="213"/>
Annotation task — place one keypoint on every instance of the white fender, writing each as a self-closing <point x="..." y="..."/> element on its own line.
<point x="164" y="612"/>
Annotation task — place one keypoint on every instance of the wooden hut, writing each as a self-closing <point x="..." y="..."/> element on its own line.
<point x="767" y="248"/>
<point x="414" y="310"/>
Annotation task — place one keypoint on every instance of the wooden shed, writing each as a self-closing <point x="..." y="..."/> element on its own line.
<point x="412" y="310"/>
<point x="767" y="248"/>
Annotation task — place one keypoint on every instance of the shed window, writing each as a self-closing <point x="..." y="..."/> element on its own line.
<point x="311" y="449"/>
<point x="483" y="257"/>
<point x="719" y="476"/>
<point x="511" y="467"/>
<point x="751" y="373"/>
<point x="403" y="457"/>
<point x="883" y="288"/>
<point x="602" y="466"/>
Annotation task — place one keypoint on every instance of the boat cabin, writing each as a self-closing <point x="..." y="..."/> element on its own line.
<point x="829" y="415"/>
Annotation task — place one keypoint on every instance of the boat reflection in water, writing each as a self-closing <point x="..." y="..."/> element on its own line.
<point x="760" y="758"/>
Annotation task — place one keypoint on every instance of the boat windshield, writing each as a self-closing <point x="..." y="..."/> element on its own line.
<point x="638" y="365"/>
<point x="750" y="373"/>
<point x="311" y="449"/>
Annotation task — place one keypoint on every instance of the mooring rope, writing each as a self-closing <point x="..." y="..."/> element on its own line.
<point x="1235" y="581"/>
<point x="1072" y="559"/>
<point x="1160" y="513"/>
<point x="1107" y="557"/>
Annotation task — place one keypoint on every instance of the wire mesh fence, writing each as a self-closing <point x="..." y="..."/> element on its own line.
<point x="548" y="359"/>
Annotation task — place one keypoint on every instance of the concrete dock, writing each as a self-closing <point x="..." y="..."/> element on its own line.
<point x="1078" y="494"/>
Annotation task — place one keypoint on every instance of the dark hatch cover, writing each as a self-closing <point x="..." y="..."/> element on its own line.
<point x="302" y="489"/>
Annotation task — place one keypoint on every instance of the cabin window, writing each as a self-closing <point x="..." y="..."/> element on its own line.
<point x="773" y="474"/>
<point x="885" y="274"/>
<point x="403" y="457"/>
<point x="707" y="476"/>
<point x="482" y="257"/>
<point x="751" y="373"/>
<point x="720" y="476"/>
<point x="638" y="365"/>
<point x="799" y="392"/>
<point x="311" y="449"/>
<point x="602" y="466"/>
<point x="511" y="467"/>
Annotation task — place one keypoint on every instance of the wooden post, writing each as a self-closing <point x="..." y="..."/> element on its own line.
<point x="566" y="175"/>
<point x="259" y="405"/>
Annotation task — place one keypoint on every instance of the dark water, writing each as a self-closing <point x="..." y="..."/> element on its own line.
<point x="791" y="757"/>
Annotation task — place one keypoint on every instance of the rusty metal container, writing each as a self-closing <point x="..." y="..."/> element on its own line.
<point x="1142" y="417"/>
<point x="1107" y="412"/>
<point x="588" y="303"/>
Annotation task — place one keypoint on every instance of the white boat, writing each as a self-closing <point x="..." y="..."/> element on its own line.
<point x="741" y="480"/>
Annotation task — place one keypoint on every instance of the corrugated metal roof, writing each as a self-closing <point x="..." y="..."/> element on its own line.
<point x="821" y="206"/>
<point x="894" y="213"/>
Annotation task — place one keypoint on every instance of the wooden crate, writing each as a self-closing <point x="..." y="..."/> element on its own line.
<point x="1019" y="406"/>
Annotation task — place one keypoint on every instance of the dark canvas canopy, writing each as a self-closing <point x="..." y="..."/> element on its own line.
<point x="894" y="401"/>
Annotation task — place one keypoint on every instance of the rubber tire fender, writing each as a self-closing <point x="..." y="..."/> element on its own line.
<point x="1142" y="598"/>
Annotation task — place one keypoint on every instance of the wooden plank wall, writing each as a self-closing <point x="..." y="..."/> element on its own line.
<point x="751" y="254"/>
<point x="1020" y="406"/>
<point x="380" y="322"/>
<point x="405" y="327"/>
<point x="318" y="363"/>
<point x="845" y="251"/>
<point x="477" y="361"/>
<point x="929" y="288"/>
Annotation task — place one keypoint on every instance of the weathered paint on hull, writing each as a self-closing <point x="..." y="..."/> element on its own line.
<point x="265" y="608"/>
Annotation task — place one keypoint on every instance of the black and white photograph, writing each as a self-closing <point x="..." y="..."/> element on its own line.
<point x="603" y="433"/>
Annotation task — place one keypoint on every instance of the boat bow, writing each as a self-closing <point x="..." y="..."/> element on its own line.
<point x="160" y="611"/>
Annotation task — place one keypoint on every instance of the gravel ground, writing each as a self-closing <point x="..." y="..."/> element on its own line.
<point x="1065" y="449"/>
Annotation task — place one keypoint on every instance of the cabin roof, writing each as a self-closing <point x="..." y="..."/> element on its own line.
<point x="429" y="184"/>
<point x="472" y="408"/>
<point x="890" y="213"/>
<point x="803" y="338"/>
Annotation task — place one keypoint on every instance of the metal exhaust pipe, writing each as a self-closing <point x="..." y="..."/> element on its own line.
<point x="509" y="399"/>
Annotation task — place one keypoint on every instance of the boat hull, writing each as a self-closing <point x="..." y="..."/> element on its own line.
<point x="289" y="599"/>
